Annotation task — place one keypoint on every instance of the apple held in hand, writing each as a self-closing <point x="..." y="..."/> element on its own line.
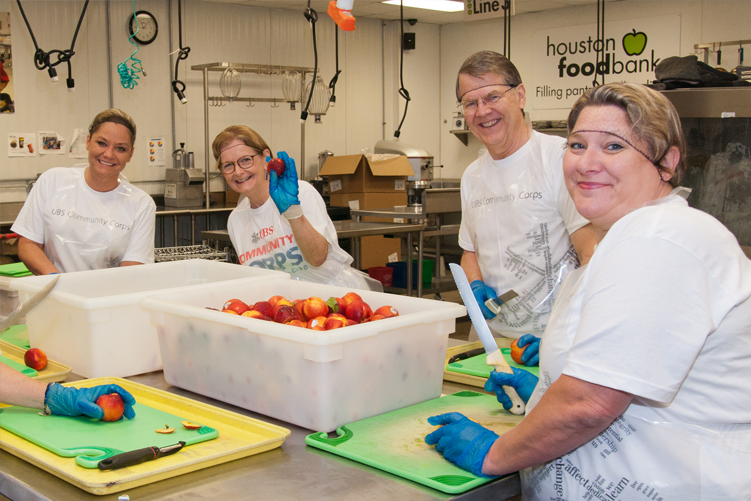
<point x="277" y="165"/>
<point x="35" y="358"/>
<point x="517" y="351"/>
<point x="236" y="305"/>
<point x="112" y="405"/>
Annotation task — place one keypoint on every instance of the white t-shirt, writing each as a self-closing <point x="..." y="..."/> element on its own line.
<point x="262" y="237"/>
<point x="662" y="311"/>
<point x="83" y="229"/>
<point x="516" y="217"/>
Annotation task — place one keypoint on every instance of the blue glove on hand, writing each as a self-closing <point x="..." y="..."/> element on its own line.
<point x="483" y="293"/>
<point x="67" y="401"/>
<point x="284" y="191"/>
<point x="531" y="355"/>
<point x="461" y="441"/>
<point x="522" y="381"/>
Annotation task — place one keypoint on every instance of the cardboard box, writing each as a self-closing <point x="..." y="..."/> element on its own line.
<point x="375" y="250"/>
<point x="357" y="174"/>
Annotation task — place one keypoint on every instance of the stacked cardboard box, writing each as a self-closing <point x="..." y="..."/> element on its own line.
<point x="360" y="183"/>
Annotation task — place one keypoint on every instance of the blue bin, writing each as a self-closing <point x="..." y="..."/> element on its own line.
<point x="400" y="273"/>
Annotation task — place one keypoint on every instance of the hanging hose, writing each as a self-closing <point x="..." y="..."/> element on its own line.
<point x="42" y="59"/>
<point x="178" y="86"/>
<point x="600" y="54"/>
<point x="332" y="84"/>
<point x="402" y="91"/>
<point x="312" y="16"/>
<point x="129" y="74"/>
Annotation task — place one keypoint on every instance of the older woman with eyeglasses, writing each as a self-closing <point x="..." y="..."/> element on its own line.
<point x="282" y="223"/>
<point x="644" y="389"/>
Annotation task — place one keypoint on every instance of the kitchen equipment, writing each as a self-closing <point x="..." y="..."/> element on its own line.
<point x="139" y="456"/>
<point x="395" y="441"/>
<point x="322" y="157"/>
<point x="495" y="304"/>
<point x="494" y="355"/>
<point x="315" y="379"/>
<point x="183" y="183"/>
<point x="54" y="372"/>
<point x="420" y="160"/>
<point x="92" y="320"/>
<point x="239" y="436"/>
<point x="28" y="304"/>
<point x="475" y="364"/>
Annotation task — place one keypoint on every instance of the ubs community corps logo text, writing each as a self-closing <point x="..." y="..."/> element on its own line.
<point x="569" y="54"/>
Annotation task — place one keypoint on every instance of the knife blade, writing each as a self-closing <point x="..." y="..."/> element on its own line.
<point x="138" y="456"/>
<point x="494" y="355"/>
<point x="27" y="306"/>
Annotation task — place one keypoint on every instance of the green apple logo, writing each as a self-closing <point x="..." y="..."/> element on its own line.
<point x="634" y="43"/>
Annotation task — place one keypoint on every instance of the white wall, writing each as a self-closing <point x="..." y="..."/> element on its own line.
<point x="215" y="32"/>
<point x="701" y="22"/>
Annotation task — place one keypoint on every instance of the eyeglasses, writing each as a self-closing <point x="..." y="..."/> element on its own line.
<point x="491" y="99"/>
<point x="244" y="163"/>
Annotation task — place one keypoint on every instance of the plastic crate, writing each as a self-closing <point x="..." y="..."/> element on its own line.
<point x="383" y="274"/>
<point x="315" y="379"/>
<point x="92" y="322"/>
<point x="400" y="273"/>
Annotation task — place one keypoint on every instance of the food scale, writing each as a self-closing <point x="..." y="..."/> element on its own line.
<point x="183" y="183"/>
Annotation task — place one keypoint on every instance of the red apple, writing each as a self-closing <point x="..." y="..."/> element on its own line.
<point x="280" y="303"/>
<point x="277" y="165"/>
<point x="231" y="312"/>
<point x="112" y="405"/>
<point x="295" y="323"/>
<point x="299" y="305"/>
<point x="315" y="307"/>
<point x="376" y="317"/>
<point x="316" y="323"/>
<point x="336" y="305"/>
<point x="358" y="311"/>
<point x="254" y="314"/>
<point x="274" y="299"/>
<point x="35" y="358"/>
<point x="386" y="311"/>
<point x="517" y="351"/>
<point x="264" y="307"/>
<point x="285" y="313"/>
<point x="334" y="322"/>
<point x="351" y="296"/>
<point x="237" y="305"/>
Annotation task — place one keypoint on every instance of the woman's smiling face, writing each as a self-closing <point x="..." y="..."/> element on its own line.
<point x="606" y="175"/>
<point x="252" y="181"/>
<point x="110" y="149"/>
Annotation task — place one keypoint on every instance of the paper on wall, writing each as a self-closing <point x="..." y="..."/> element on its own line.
<point x="156" y="153"/>
<point x="51" y="143"/>
<point x="78" y="144"/>
<point x="22" y="144"/>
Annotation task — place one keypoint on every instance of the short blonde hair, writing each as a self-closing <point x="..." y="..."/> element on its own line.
<point x="244" y="133"/>
<point x="651" y="116"/>
<point x="115" y="116"/>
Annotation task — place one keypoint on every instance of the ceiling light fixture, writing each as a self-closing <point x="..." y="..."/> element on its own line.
<point x="441" y="5"/>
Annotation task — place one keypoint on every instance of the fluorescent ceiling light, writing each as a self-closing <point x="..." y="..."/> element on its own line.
<point x="442" y="5"/>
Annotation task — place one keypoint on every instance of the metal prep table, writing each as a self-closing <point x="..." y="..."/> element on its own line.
<point x="435" y="203"/>
<point x="293" y="471"/>
<point x="355" y="230"/>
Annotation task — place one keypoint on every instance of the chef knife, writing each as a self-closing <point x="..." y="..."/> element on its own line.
<point x="138" y="456"/>
<point x="494" y="355"/>
<point x="495" y="304"/>
<point x="27" y="306"/>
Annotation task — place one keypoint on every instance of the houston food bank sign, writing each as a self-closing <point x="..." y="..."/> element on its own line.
<point x="566" y="61"/>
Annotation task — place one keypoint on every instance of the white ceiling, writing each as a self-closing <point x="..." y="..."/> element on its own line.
<point x="378" y="10"/>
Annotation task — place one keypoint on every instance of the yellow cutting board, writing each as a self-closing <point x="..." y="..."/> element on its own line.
<point x="55" y="372"/>
<point x="239" y="436"/>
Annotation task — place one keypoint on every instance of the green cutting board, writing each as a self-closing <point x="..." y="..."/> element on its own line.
<point x="395" y="441"/>
<point x="14" y="270"/>
<point x="17" y="335"/>
<point x="28" y="371"/>
<point x="476" y="366"/>
<point x="90" y="440"/>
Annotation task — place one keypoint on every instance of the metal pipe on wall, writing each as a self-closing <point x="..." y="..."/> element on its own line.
<point x="206" y="132"/>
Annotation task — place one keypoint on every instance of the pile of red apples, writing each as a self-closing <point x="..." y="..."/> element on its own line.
<point x="313" y="313"/>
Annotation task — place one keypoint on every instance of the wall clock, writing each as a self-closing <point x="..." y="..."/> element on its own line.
<point x="147" y="27"/>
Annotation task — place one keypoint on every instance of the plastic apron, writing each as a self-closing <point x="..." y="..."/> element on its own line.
<point x="520" y="238"/>
<point x="86" y="232"/>
<point x="634" y="459"/>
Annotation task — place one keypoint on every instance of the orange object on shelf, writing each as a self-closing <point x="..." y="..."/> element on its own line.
<point x="343" y="18"/>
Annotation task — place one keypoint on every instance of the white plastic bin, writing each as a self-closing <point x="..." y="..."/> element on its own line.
<point x="92" y="321"/>
<point x="315" y="379"/>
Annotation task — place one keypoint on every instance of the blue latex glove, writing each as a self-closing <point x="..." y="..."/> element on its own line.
<point x="461" y="441"/>
<point x="483" y="293"/>
<point x="522" y="381"/>
<point x="531" y="355"/>
<point x="67" y="401"/>
<point x="284" y="192"/>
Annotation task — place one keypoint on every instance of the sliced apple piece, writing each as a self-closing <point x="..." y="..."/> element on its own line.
<point x="190" y="426"/>
<point x="166" y="429"/>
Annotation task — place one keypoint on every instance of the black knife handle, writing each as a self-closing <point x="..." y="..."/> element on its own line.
<point x="129" y="458"/>
<point x="466" y="354"/>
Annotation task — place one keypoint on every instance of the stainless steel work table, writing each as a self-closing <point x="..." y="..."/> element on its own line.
<point x="356" y="230"/>
<point x="293" y="471"/>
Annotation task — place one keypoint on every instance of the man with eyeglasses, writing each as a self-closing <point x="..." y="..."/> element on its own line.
<point x="520" y="229"/>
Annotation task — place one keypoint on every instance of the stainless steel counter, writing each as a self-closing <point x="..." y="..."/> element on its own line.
<point x="294" y="471"/>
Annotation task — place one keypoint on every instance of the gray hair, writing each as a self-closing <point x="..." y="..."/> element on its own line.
<point x="486" y="61"/>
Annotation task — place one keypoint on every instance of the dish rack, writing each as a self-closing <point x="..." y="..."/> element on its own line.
<point x="203" y="251"/>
